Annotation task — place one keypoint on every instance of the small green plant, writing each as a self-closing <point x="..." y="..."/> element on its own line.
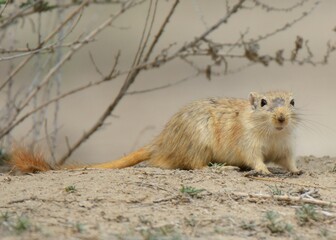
<point x="4" y="217"/>
<point x="250" y="225"/>
<point x="4" y="157"/>
<point x="324" y="232"/>
<point x="22" y="224"/>
<point x="191" y="222"/>
<point x="216" y="165"/>
<point x="191" y="191"/>
<point x="78" y="227"/>
<point x="306" y="214"/>
<point x="40" y="6"/>
<point x="275" y="224"/>
<point x="334" y="169"/>
<point x="167" y="232"/>
<point x="18" y="225"/>
<point x="274" y="190"/>
<point x="70" y="189"/>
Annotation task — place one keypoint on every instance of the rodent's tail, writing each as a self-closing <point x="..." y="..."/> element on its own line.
<point x="26" y="161"/>
<point x="132" y="159"/>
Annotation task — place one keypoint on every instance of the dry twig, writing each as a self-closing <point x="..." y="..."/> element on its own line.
<point x="285" y="198"/>
<point x="286" y="182"/>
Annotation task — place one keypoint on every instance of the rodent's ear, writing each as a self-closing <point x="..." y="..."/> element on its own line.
<point x="252" y="98"/>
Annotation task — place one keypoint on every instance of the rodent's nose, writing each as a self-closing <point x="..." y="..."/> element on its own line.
<point x="281" y="118"/>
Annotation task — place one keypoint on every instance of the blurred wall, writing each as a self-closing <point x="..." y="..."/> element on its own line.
<point x="138" y="118"/>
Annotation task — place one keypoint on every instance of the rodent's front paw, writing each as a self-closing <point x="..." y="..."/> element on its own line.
<point x="296" y="173"/>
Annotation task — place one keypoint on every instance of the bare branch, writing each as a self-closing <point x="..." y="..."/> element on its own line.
<point x="127" y="83"/>
<point x="94" y="64"/>
<point x="144" y="40"/>
<point x="330" y="48"/>
<point x="112" y="75"/>
<point x="131" y="77"/>
<point x="287" y="25"/>
<point x="270" y="8"/>
<point x="159" y="34"/>
<point x="203" y="36"/>
<point x="215" y="26"/>
<point x="163" y="86"/>
<point x="3" y="8"/>
<point x="51" y="151"/>
<point x="51" y="35"/>
<point x="55" y="68"/>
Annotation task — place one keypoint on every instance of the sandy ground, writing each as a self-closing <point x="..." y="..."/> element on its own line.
<point x="150" y="203"/>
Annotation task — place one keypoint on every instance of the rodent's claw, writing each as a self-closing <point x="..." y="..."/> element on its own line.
<point x="296" y="173"/>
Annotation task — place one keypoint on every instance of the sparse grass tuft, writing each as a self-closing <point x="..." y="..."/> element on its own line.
<point x="4" y="157"/>
<point x="220" y="167"/>
<point x="191" y="191"/>
<point x="274" y="190"/>
<point x="334" y="169"/>
<point x="4" y="217"/>
<point x="275" y="224"/>
<point x="78" y="227"/>
<point x="22" y="224"/>
<point x="216" y="165"/>
<point x="250" y="225"/>
<point x="70" y="189"/>
<point x="324" y="232"/>
<point x="306" y="214"/>
<point x="191" y="222"/>
<point x="18" y="225"/>
<point x="166" y="232"/>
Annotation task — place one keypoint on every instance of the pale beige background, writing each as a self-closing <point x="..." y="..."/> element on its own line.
<point x="141" y="117"/>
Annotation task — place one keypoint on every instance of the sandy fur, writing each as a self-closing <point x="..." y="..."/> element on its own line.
<point x="237" y="132"/>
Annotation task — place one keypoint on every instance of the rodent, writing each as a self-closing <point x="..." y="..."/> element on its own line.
<point x="239" y="132"/>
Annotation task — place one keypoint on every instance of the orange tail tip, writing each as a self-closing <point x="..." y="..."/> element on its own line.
<point x="27" y="161"/>
<point x="132" y="159"/>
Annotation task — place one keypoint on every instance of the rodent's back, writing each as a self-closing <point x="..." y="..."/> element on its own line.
<point x="191" y="139"/>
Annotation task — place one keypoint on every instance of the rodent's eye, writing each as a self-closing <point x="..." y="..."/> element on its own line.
<point x="263" y="102"/>
<point x="292" y="102"/>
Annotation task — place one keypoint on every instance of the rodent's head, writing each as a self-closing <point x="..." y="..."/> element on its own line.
<point x="273" y="110"/>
